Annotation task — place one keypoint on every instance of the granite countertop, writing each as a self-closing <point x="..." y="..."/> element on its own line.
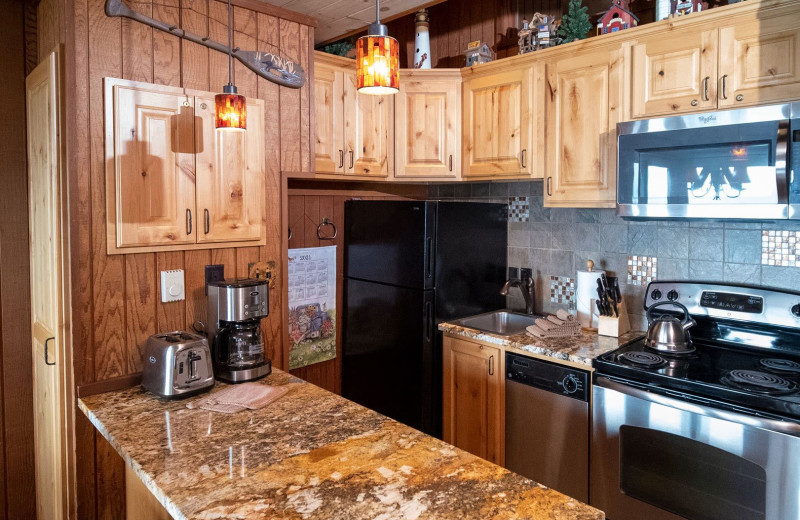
<point x="313" y="455"/>
<point x="577" y="349"/>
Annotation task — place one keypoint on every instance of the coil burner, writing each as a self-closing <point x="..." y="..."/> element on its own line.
<point x="781" y="366"/>
<point x="642" y="359"/>
<point x="759" y="382"/>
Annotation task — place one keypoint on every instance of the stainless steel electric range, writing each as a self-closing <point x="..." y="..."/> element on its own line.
<point x="710" y="434"/>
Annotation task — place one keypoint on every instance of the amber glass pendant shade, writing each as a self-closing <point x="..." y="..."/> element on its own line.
<point x="378" y="60"/>
<point x="230" y="112"/>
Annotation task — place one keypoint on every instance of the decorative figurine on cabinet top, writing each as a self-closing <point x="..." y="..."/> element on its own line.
<point x="684" y="7"/>
<point x="616" y="19"/>
<point x="478" y="53"/>
<point x="539" y="33"/>
<point x="575" y="25"/>
<point x="526" y="39"/>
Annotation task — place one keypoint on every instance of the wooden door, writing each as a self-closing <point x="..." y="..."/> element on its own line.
<point x="329" y="151"/>
<point x="47" y="306"/>
<point x="584" y="104"/>
<point x="674" y="74"/>
<point x="497" y="120"/>
<point x="153" y="158"/>
<point x="230" y="176"/>
<point x="474" y="399"/>
<point x="368" y="131"/>
<point x="760" y="58"/>
<point x="427" y="121"/>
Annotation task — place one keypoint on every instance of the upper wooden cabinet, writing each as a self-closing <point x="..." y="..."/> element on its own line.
<point x="498" y="125"/>
<point x="752" y="59"/>
<point x="428" y="124"/>
<point x="354" y="132"/>
<point x="172" y="180"/>
<point x="585" y="97"/>
<point x="474" y="398"/>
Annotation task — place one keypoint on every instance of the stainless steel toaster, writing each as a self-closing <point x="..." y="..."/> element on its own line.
<point x="177" y="364"/>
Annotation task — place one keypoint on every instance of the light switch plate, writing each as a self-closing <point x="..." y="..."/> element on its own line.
<point x="172" y="289"/>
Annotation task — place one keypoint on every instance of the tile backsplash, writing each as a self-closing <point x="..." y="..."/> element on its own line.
<point x="556" y="242"/>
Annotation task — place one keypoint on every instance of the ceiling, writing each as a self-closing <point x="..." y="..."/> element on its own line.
<point x="336" y="18"/>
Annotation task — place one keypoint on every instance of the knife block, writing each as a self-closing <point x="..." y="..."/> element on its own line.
<point x="614" y="326"/>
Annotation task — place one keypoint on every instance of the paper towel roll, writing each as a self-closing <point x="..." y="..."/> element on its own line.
<point x="585" y="295"/>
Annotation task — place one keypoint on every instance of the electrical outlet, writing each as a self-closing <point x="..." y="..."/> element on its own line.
<point x="513" y="273"/>
<point x="214" y="273"/>
<point x="172" y="289"/>
<point x="525" y="273"/>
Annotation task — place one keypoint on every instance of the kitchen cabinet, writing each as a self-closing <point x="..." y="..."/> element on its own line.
<point x="428" y="124"/>
<point x="500" y="122"/>
<point x="354" y="132"/>
<point x="474" y="398"/>
<point x="746" y="61"/>
<point x="585" y="98"/>
<point x="173" y="181"/>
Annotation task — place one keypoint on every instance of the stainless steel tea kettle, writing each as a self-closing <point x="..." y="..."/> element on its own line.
<point x="668" y="334"/>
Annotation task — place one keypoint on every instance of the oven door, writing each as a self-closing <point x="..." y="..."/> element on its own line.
<point x="729" y="164"/>
<point x="662" y="458"/>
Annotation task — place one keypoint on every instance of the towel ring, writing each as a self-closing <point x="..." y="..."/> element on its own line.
<point x="326" y="222"/>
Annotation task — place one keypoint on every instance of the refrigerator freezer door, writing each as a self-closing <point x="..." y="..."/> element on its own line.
<point x="387" y="362"/>
<point x="390" y="242"/>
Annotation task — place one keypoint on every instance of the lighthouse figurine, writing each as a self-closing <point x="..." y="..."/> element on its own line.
<point x="422" y="42"/>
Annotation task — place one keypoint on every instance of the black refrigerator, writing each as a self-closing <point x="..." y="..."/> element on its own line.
<point x="409" y="265"/>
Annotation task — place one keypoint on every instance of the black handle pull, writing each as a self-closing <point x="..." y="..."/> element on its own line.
<point x="352" y="160"/>
<point x="48" y="340"/>
<point x="188" y="222"/>
<point x="429" y="257"/>
<point x="207" y="221"/>
<point x="451" y="162"/>
<point x="341" y="158"/>
<point x="549" y="194"/>
<point x="428" y="321"/>
<point x="522" y="157"/>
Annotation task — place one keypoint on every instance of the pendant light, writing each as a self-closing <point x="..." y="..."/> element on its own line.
<point x="378" y="59"/>
<point x="230" y="108"/>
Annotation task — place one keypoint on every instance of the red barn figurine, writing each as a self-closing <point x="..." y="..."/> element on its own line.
<point x="616" y="19"/>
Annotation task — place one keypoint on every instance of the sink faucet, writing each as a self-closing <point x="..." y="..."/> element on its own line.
<point x="526" y="287"/>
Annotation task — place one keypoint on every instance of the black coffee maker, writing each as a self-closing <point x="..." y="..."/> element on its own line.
<point x="235" y="309"/>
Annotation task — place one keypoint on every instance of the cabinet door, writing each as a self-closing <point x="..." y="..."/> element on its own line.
<point x="368" y="131"/>
<point x="585" y="97"/>
<point x="153" y="167"/>
<point x="230" y="176"/>
<point x="329" y="123"/>
<point x="760" y="59"/>
<point x="497" y="116"/>
<point x="427" y="117"/>
<point x="672" y="75"/>
<point x="474" y="400"/>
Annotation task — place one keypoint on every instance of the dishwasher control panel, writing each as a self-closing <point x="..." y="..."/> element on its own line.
<point x="545" y="375"/>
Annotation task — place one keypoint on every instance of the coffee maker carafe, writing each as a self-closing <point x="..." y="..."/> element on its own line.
<point x="235" y="309"/>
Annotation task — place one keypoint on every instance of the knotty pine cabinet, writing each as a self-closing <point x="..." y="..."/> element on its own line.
<point x="474" y="398"/>
<point x="585" y="98"/>
<point x="750" y="59"/>
<point x="172" y="180"/>
<point x="354" y="132"/>
<point x="428" y="124"/>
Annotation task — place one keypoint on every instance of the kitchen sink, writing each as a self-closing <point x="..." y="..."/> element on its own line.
<point x="503" y="323"/>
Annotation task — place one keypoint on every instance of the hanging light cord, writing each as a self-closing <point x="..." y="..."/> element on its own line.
<point x="230" y="46"/>
<point x="377" y="11"/>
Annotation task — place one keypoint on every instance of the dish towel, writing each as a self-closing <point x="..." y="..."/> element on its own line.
<point x="562" y="325"/>
<point x="238" y="397"/>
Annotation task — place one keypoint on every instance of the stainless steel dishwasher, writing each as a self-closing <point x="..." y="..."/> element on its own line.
<point x="547" y="424"/>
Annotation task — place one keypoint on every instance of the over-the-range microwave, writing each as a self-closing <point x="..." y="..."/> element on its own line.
<point x="731" y="164"/>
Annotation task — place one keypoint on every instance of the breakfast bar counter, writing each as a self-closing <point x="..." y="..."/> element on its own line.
<point x="310" y="454"/>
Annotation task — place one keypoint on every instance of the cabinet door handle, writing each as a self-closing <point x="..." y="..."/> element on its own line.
<point x="188" y="222"/>
<point x="352" y="163"/>
<point x="522" y="157"/>
<point x="491" y="365"/>
<point x="341" y="158"/>
<point x="451" y="162"/>
<point x="724" y="86"/>
<point x="207" y="221"/>
<point x="48" y="340"/>
<point x="549" y="194"/>
<point x="705" y="88"/>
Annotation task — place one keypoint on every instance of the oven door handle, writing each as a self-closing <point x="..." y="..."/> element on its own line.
<point x="694" y="406"/>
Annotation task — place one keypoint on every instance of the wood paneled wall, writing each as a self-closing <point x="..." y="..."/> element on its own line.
<point x="17" y="495"/>
<point x="115" y="298"/>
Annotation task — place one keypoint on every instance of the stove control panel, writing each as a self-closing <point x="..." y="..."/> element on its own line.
<point x="730" y="301"/>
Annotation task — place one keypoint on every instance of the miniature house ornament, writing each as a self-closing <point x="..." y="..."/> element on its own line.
<point x="422" y="41"/>
<point x="526" y="39"/>
<point x="684" y="7"/>
<point x="478" y="53"/>
<point x="616" y="19"/>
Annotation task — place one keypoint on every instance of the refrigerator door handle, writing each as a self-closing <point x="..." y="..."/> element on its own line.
<point x="429" y="257"/>
<point x="428" y="321"/>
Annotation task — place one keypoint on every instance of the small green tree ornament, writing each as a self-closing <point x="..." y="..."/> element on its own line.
<point x="575" y="24"/>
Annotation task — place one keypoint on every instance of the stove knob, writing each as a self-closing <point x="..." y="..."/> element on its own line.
<point x="570" y="384"/>
<point x="796" y="310"/>
<point x="656" y="294"/>
<point x="672" y="295"/>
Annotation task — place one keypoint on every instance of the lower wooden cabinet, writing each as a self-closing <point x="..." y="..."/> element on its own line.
<point x="474" y="398"/>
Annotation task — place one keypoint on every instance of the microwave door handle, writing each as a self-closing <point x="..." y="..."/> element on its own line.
<point x="781" y="147"/>
<point x="693" y="406"/>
